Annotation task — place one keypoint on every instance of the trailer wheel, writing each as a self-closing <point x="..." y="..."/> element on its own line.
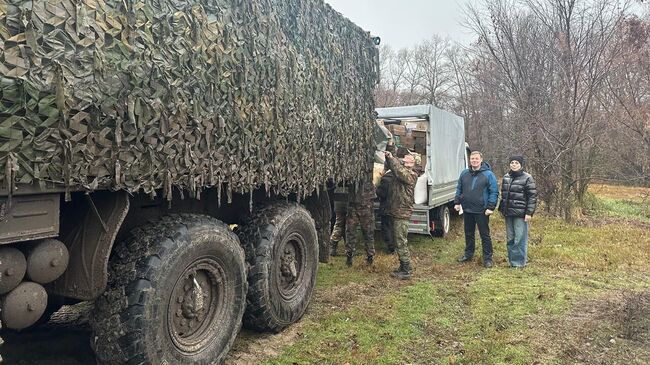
<point x="176" y="295"/>
<point x="282" y="251"/>
<point x="442" y="221"/>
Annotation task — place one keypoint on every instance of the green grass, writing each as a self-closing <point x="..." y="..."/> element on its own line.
<point x="639" y="210"/>
<point x="626" y="206"/>
<point x="464" y="314"/>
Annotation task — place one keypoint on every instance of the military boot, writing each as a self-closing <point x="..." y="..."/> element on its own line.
<point x="333" y="246"/>
<point x="399" y="269"/>
<point x="348" y="260"/>
<point x="404" y="271"/>
<point x="370" y="260"/>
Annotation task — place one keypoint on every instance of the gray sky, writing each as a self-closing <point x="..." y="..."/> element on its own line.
<point x="407" y="22"/>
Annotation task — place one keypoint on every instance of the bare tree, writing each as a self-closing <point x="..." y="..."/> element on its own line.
<point x="435" y="75"/>
<point x="627" y="104"/>
<point x="552" y="59"/>
<point x="392" y="77"/>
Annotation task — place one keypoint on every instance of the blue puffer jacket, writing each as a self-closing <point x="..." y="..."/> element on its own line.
<point x="477" y="190"/>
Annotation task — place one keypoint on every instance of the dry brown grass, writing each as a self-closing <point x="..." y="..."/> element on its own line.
<point x="636" y="194"/>
<point x="611" y="329"/>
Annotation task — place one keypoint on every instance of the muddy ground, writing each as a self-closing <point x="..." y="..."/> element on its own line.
<point x="65" y="340"/>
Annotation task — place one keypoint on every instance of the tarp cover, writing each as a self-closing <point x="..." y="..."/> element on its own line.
<point x="445" y="140"/>
<point x="144" y="95"/>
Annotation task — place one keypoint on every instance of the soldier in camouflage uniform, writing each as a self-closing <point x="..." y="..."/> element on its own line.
<point x="340" y="212"/>
<point x="401" y="208"/>
<point x="360" y="214"/>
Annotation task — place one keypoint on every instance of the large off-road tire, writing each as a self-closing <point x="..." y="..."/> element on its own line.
<point x="176" y="295"/>
<point x="282" y="251"/>
<point x="442" y="219"/>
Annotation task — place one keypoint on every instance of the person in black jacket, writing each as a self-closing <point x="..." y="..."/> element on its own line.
<point x="382" y="191"/>
<point x="518" y="203"/>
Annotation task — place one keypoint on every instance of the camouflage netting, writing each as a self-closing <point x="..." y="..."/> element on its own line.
<point x="146" y="95"/>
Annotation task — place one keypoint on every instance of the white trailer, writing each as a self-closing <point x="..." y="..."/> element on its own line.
<point x="446" y="158"/>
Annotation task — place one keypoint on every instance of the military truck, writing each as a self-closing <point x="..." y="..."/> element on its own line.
<point x="167" y="160"/>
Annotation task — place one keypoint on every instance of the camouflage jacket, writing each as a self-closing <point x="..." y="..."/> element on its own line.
<point x="361" y="196"/>
<point x="400" y="192"/>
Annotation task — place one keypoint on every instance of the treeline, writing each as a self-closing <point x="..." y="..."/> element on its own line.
<point x="565" y="82"/>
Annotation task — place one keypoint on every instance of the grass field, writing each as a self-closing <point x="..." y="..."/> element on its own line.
<point x="583" y="299"/>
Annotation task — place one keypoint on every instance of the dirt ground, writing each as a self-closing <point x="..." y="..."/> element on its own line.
<point x="65" y="340"/>
<point x="611" y="329"/>
<point x="621" y="321"/>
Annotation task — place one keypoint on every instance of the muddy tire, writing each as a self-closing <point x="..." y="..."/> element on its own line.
<point x="176" y="295"/>
<point x="282" y="251"/>
<point x="442" y="221"/>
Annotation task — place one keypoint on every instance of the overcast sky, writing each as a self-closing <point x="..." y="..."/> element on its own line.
<point x="406" y="22"/>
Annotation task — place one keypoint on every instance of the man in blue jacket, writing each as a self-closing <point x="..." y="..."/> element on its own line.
<point x="477" y="194"/>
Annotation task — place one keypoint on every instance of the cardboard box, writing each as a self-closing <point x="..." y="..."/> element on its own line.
<point x="397" y="129"/>
<point x="419" y="133"/>
<point x="408" y="142"/>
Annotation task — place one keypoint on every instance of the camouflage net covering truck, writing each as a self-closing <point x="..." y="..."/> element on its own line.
<point x="167" y="160"/>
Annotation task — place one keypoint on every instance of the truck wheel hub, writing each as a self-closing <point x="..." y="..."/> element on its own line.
<point x="195" y="303"/>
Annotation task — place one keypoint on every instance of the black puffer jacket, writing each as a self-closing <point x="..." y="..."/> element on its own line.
<point x="518" y="194"/>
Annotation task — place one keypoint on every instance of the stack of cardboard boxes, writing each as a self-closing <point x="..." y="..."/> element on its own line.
<point x="415" y="140"/>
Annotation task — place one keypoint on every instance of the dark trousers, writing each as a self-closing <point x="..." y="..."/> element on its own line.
<point x="483" y="222"/>
<point x="387" y="232"/>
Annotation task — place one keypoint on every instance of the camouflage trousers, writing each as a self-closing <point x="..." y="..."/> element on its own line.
<point x="339" y="226"/>
<point x="401" y="229"/>
<point x="360" y="217"/>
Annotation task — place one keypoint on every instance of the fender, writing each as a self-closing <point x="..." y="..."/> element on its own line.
<point x="88" y="228"/>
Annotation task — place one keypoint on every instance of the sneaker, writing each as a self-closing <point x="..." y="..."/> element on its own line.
<point x="488" y="264"/>
<point x="464" y="259"/>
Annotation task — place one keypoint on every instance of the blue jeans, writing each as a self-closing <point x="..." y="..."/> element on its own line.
<point x="517" y="233"/>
